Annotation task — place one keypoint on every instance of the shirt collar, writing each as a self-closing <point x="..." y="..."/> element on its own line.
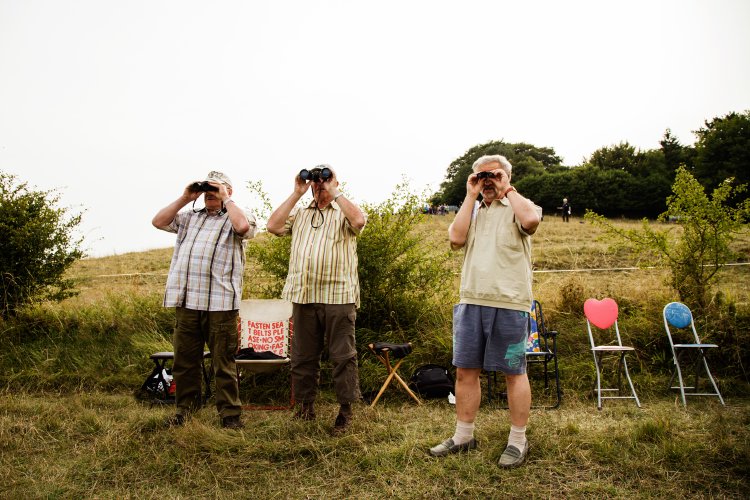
<point x="333" y="205"/>
<point x="503" y="201"/>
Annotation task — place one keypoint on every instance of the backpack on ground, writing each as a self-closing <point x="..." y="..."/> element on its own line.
<point x="432" y="381"/>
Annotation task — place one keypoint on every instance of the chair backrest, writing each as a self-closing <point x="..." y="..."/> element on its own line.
<point x="266" y="325"/>
<point x="535" y="319"/>
<point x="603" y="315"/>
<point x="678" y="315"/>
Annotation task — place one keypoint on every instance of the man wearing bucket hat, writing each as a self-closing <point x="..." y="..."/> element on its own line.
<point x="204" y="286"/>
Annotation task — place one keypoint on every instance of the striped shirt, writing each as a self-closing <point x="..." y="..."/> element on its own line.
<point x="323" y="260"/>
<point x="208" y="262"/>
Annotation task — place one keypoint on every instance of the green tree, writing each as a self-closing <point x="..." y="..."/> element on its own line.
<point x="723" y="150"/>
<point x="37" y="246"/>
<point x="695" y="254"/>
<point x="404" y="279"/>
<point x="527" y="160"/>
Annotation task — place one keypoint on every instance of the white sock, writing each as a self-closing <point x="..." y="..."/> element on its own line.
<point x="517" y="437"/>
<point x="464" y="432"/>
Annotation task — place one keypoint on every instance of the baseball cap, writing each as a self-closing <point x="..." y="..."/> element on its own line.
<point x="220" y="177"/>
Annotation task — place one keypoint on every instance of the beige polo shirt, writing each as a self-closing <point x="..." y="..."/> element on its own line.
<point x="497" y="259"/>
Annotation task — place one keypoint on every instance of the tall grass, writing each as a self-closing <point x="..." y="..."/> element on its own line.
<point x="97" y="445"/>
<point x="71" y="428"/>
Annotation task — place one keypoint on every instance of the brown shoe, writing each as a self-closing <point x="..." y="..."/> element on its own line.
<point x="232" y="422"/>
<point x="341" y="425"/>
<point x="177" y="420"/>
<point x="305" y="412"/>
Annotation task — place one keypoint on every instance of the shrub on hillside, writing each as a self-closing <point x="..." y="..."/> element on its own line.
<point x="405" y="281"/>
<point x="698" y="253"/>
<point x="37" y="246"/>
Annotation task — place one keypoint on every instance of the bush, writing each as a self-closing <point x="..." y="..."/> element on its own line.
<point x="37" y="246"/>
<point x="698" y="253"/>
<point x="405" y="280"/>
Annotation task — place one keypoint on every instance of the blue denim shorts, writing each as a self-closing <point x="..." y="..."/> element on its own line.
<point x="490" y="338"/>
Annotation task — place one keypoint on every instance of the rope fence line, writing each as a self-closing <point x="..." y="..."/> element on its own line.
<point x="580" y="270"/>
<point x="585" y="270"/>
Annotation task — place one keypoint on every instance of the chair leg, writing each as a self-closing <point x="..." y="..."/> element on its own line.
<point x="385" y="384"/>
<point x="711" y="378"/>
<point x="598" y="383"/>
<point x="678" y="371"/>
<point x="557" y="385"/>
<point x="405" y="385"/>
<point x="627" y="374"/>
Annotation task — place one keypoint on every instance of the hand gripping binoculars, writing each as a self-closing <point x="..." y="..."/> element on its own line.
<point x="317" y="174"/>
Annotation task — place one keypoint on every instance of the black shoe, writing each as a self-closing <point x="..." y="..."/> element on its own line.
<point x="177" y="420"/>
<point x="342" y="424"/>
<point x="232" y="422"/>
<point x="305" y="412"/>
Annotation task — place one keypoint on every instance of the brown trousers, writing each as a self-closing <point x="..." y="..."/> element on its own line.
<point x="192" y="330"/>
<point x="314" y="324"/>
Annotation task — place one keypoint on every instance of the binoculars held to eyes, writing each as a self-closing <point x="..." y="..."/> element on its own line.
<point x="485" y="175"/>
<point x="316" y="175"/>
<point x="202" y="186"/>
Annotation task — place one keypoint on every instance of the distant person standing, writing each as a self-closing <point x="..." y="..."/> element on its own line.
<point x="566" y="210"/>
<point x="491" y="321"/>
<point x="204" y="286"/>
<point x="323" y="286"/>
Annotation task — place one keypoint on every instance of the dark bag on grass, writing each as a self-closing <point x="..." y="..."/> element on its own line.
<point x="432" y="381"/>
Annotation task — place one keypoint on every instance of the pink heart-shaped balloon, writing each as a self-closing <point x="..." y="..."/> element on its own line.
<point x="602" y="313"/>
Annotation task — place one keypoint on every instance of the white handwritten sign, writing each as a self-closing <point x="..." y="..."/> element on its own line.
<point x="265" y="325"/>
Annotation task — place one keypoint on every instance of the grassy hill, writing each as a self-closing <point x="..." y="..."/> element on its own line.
<point x="70" y="426"/>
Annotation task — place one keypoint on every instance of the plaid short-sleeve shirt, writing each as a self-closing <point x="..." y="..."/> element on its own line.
<point x="208" y="262"/>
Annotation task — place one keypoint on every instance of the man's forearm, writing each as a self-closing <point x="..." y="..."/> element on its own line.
<point x="240" y="223"/>
<point x="352" y="212"/>
<point x="166" y="215"/>
<point x="277" y="220"/>
<point x="525" y="211"/>
<point x="459" y="229"/>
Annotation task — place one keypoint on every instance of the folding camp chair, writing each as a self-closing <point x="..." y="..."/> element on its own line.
<point x="541" y="349"/>
<point x="679" y="316"/>
<point x="603" y="315"/>
<point x="384" y="352"/>
<point x="264" y="340"/>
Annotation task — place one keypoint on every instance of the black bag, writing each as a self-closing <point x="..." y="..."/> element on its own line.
<point x="432" y="381"/>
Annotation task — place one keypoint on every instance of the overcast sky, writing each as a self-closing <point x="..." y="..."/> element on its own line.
<point x="120" y="104"/>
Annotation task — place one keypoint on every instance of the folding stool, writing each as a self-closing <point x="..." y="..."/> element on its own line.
<point x="384" y="351"/>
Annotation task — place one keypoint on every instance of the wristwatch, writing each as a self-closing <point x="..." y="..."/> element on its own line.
<point x="510" y="188"/>
<point x="338" y="195"/>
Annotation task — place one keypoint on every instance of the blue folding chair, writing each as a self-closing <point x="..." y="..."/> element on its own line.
<point x="678" y="316"/>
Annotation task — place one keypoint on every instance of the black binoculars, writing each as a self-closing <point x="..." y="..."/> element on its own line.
<point x="202" y="186"/>
<point x="485" y="175"/>
<point x="316" y="175"/>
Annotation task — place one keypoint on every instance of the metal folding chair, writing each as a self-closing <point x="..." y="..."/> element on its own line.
<point x="603" y="315"/>
<point x="384" y="352"/>
<point x="264" y="339"/>
<point x="678" y="316"/>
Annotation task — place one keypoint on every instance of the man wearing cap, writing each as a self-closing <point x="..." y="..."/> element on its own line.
<point x="323" y="286"/>
<point x="491" y="320"/>
<point x="204" y="286"/>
